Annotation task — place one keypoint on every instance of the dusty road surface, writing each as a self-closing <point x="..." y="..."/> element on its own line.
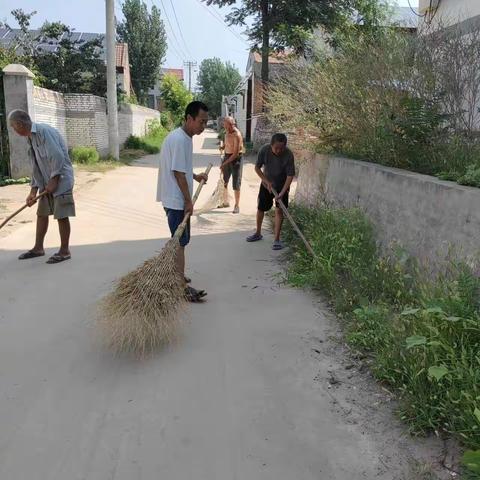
<point x="255" y="388"/>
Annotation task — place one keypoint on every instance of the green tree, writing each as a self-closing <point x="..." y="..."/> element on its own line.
<point x="276" y="25"/>
<point x="144" y="32"/>
<point x="74" y="66"/>
<point x="175" y="96"/>
<point x="215" y="79"/>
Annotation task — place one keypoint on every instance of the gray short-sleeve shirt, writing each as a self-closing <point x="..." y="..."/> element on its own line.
<point x="276" y="168"/>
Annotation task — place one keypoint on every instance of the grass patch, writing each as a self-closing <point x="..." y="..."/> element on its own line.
<point x="151" y="142"/>
<point x="5" y="181"/>
<point x="87" y="158"/>
<point x="421" y="333"/>
<point x="84" y="155"/>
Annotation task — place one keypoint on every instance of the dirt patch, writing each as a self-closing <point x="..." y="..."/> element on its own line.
<point x="12" y="197"/>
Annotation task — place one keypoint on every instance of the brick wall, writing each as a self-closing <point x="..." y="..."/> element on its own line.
<point x="82" y="119"/>
<point x="87" y="122"/>
<point x="257" y="96"/>
<point x="133" y="120"/>
<point x="50" y="109"/>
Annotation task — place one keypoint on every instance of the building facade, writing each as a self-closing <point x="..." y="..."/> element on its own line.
<point x="154" y="94"/>
<point x="448" y="13"/>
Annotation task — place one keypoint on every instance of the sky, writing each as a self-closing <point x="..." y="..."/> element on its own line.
<point x="194" y="31"/>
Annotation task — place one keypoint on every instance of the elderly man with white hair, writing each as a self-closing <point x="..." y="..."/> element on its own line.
<point x="52" y="173"/>
<point x="232" y="161"/>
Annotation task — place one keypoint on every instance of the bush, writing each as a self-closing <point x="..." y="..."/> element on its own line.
<point x="422" y="332"/>
<point x="471" y="177"/>
<point x="167" y="120"/>
<point x="84" y="155"/>
<point x="5" y="181"/>
<point x="136" y="143"/>
<point x="390" y="98"/>
<point x="152" y="141"/>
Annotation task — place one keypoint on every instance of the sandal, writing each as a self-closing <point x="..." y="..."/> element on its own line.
<point x="30" y="254"/>
<point x="254" y="238"/>
<point x="277" y="245"/>
<point x="193" y="295"/>
<point x="57" y="258"/>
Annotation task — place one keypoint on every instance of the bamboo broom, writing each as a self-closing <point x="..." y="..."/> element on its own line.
<point x="142" y="312"/>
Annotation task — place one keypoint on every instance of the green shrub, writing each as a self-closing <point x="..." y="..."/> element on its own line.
<point x="388" y="98"/>
<point x="85" y="155"/>
<point x="167" y="120"/>
<point x="136" y="143"/>
<point x="4" y="181"/>
<point x="471" y="177"/>
<point x="422" y="332"/>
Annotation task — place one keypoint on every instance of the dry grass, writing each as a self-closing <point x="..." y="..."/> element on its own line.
<point x="143" y="311"/>
<point x="216" y="200"/>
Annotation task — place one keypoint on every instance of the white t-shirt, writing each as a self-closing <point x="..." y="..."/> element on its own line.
<point x="176" y="155"/>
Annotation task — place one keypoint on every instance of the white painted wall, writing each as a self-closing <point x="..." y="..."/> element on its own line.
<point x="451" y="12"/>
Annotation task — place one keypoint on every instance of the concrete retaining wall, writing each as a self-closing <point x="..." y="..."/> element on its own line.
<point x="425" y="215"/>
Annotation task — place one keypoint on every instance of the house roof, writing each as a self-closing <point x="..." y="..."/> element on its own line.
<point x="177" y="72"/>
<point x="122" y="55"/>
<point x="8" y="37"/>
<point x="278" y="58"/>
<point x="276" y="64"/>
<point x="405" y="17"/>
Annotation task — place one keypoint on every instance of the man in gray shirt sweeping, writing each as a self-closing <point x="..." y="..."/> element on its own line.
<point x="52" y="172"/>
<point x="278" y="165"/>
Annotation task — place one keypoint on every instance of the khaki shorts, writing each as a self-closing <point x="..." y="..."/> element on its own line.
<point x="60" y="207"/>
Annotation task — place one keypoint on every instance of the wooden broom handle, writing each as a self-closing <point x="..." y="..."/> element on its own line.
<point x="20" y="209"/>
<point x="182" y="226"/>
<point x="294" y="225"/>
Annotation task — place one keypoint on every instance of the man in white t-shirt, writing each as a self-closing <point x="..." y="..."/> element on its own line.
<point x="175" y="180"/>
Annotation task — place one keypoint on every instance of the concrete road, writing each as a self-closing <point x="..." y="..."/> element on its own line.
<point x="234" y="399"/>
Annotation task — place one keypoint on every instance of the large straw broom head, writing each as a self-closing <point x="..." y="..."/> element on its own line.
<point x="218" y="198"/>
<point x="142" y="312"/>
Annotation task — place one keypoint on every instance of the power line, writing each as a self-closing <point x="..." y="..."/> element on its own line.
<point x="180" y="30"/>
<point x="173" y="32"/>
<point x="415" y="12"/>
<point x="170" y="44"/>
<point x="231" y="30"/>
<point x="430" y="10"/>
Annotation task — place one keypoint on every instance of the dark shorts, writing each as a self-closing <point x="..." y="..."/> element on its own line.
<point x="265" y="199"/>
<point x="175" y="218"/>
<point x="233" y="170"/>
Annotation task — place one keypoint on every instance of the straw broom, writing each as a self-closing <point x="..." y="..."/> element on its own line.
<point x="143" y="311"/>
<point x="218" y="198"/>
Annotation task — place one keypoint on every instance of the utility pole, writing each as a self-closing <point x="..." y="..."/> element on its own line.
<point x="190" y="65"/>
<point x="111" y="35"/>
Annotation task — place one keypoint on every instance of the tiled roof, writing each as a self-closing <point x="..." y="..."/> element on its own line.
<point x="122" y="55"/>
<point x="178" y="72"/>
